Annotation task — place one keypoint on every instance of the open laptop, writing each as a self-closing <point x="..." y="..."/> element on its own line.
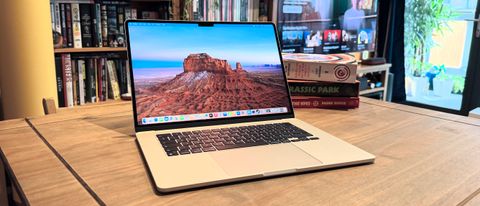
<point x="211" y="106"/>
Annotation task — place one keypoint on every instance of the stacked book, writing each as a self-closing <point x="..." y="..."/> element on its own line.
<point x="320" y="81"/>
<point x="85" y="79"/>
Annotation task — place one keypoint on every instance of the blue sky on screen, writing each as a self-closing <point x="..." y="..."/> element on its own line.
<point x="155" y="45"/>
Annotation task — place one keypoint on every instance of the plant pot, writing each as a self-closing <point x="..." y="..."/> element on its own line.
<point x="418" y="86"/>
<point x="442" y="87"/>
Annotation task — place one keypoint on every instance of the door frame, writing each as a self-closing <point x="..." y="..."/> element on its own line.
<point x="472" y="80"/>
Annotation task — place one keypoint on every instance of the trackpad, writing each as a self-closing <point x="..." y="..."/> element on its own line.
<point x="263" y="160"/>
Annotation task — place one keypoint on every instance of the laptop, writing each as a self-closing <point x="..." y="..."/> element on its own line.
<point x="211" y="106"/>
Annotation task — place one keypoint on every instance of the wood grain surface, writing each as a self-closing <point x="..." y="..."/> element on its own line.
<point x="43" y="179"/>
<point x="423" y="158"/>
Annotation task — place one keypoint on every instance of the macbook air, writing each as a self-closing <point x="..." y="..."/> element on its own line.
<point x="211" y="106"/>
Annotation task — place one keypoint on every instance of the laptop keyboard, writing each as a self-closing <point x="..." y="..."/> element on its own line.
<point x="183" y="143"/>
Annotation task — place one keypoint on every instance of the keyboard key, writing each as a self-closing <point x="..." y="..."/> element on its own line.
<point x="314" y="138"/>
<point x="217" y="144"/>
<point x="196" y="150"/>
<point x="206" y="145"/>
<point x="208" y="149"/>
<point x="224" y="147"/>
<point x="184" y="152"/>
<point x="172" y="153"/>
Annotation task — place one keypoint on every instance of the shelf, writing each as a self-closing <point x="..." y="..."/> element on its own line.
<point x="363" y="69"/>
<point x="369" y="91"/>
<point x="91" y="49"/>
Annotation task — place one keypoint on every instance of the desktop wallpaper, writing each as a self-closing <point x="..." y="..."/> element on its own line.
<point x="185" y="69"/>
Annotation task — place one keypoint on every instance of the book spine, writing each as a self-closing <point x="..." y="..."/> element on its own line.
<point x="121" y="29"/>
<point x="94" y="26"/>
<point x="52" y="14"/>
<point x="91" y="80"/>
<point x="104" y="25"/>
<point x="127" y="68"/>
<point x="86" y="25"/>
<point x="323" y="89"/>
<point x="100" y="79"/>
<point x="59" y="74"/>
<point x="98" y="26"/>
<point x="68" y="15"/>
<point x="67" y="79"/>
<point x="105" y="77"/>
<point x="112" y="25"/>
<point x="75" y="82"/>
<point x="123" y="70"/>
<point x="64" y="25"/>
<point x="81" y="80"/>
<point x="326" y="103"/>
<point x="320" y="71"/>
<point x="76" y="26"/>
<point x="58" y="24"/>
<point x="88" y="84"/>
<point x="95" y="69"/>
<point x="128" y="13"/>
<point x="113" y="80"/>
<point x="118" y="67"/>
<point x="134" y="13"/>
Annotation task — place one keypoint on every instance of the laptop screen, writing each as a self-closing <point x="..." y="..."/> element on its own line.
<point x="188" y="72"/>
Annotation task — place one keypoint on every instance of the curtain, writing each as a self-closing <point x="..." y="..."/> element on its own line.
<point x="391" y="43"/>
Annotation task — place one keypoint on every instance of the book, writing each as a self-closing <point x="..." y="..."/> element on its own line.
<point x="95" y="81"/>
<point x="91" y="81"/>
<point x="68" y="22"/>
<point x="315" y="71"/>
<point x="67" y="80"/>
<point x="97" y="23"/>
<point x="113" y="80"/>
<point x="52" y="14"/>
<point x="105" y="78"/>
<point x="127" y="68"/>
<point x="323" y="89"/>
<point x="75" y="82"/>
<point x="57" y="17"/>
<point x="76" y="26"/>
<point x="81" y="81"/>
<point x="134" y="13"/>
<point x="100" y="79"/>
<point x="86" y="25"/>
<point x="120" y="37"/>
<point x="112" y="26"/>
<point x="104" y="25"/>
<point x="325" y="102"/>
<point x="59" y="75"/>
<point x="63" y="17"/>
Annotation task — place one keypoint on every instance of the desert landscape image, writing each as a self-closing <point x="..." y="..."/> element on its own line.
<point x="183" y="69"/>
<point x="207" y="84"/>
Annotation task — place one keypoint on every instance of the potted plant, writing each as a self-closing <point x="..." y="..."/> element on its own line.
<point x="423" y="18"/>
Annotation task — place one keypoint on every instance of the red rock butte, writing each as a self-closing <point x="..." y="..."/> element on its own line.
<point x="203" y="62"/>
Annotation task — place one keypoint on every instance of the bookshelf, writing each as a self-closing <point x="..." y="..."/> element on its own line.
<point x="90" y="54"/>
<point x="383" y="70"/>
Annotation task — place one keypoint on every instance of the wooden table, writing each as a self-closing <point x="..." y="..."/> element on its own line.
<point x="88" y="156"/>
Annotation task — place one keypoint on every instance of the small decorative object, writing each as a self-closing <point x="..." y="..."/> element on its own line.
<point x="120" y="40"/>
<point x="57" y="40"/>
